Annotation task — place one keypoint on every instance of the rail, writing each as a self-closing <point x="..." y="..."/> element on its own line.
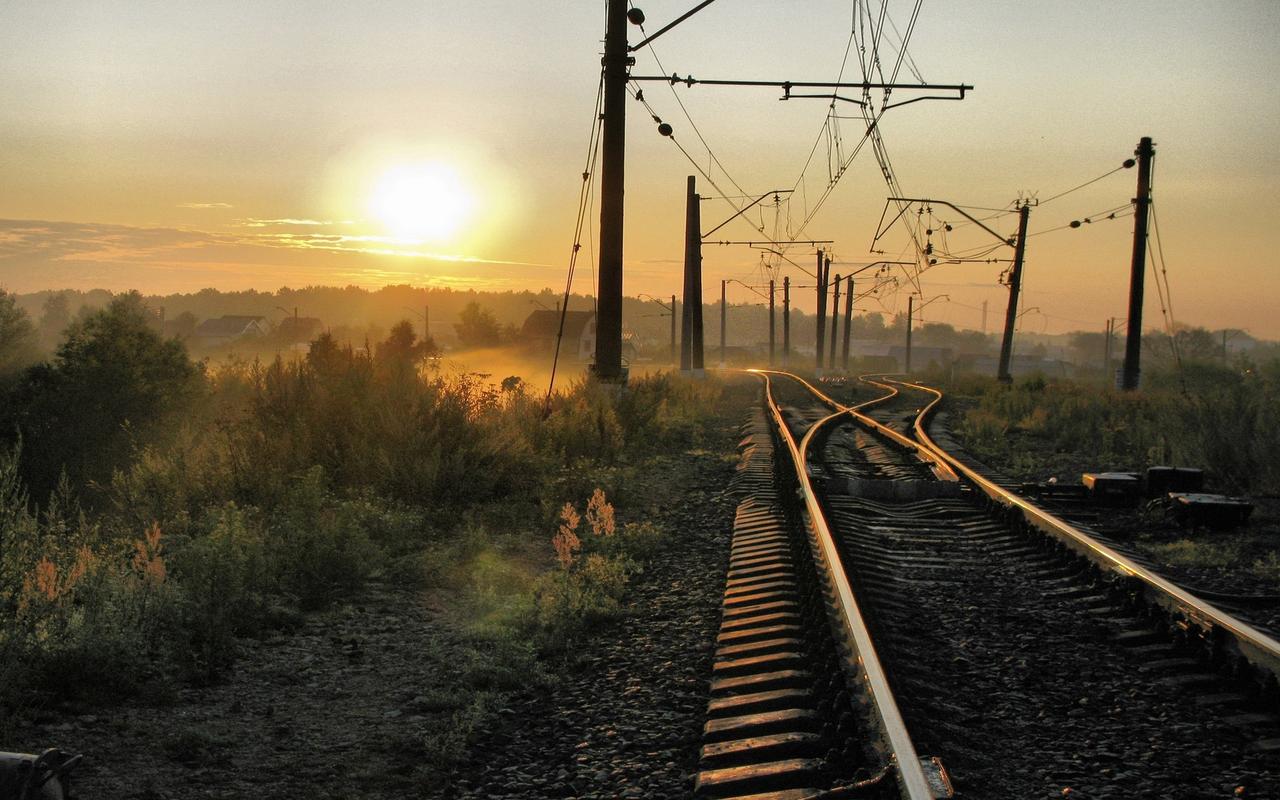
<point x="865" y="663"/>
<point x="1259" y="649"/>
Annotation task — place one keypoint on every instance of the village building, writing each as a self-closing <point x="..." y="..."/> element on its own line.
<point x="299" y="329"/>
<point x="229" y="328"/>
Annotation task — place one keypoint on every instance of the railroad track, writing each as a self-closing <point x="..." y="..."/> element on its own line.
<point x="889" y="611"/>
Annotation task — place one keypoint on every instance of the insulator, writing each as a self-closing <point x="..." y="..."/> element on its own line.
<point x="636" y="16"/>
<point x="664" y="128"/>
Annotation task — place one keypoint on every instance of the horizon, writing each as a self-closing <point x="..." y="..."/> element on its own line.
<point x="175" y="148"/>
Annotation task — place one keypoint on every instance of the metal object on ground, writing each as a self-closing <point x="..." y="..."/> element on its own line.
<point x="1113" y="488"/>
<point x="1214" y="510"/>
<point x="1162" y="480"/>
<point x="24" y="776"/>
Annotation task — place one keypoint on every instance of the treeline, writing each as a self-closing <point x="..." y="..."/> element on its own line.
<point x="355" y="315"/>
<point x="154" y="508"/>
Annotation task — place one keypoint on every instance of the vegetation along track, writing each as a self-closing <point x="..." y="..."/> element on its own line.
<point x="1032" y="659"/>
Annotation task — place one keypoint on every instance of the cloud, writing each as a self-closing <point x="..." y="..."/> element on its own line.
<point x="40" y="254"/>
<point x="205" y="205"/>
<point x="252" y="222"/>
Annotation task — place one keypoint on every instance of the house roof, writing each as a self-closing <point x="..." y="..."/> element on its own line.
<point x="227" y="325"/>
<point x="546" y="323"/>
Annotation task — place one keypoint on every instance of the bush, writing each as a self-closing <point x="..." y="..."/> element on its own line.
<point x="319" y="550"/>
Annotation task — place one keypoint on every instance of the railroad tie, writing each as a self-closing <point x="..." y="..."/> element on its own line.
<point x="762" y="739"/>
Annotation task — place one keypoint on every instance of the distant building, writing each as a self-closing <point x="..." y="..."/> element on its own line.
<point x="540" y="329"/>
<point x="299" y="329"/>
<point x="229" y="328"/>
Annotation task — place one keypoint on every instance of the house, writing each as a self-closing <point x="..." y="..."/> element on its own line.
<point x="540" y="329"/>
<point x="299" y="329"/>
<point x="230" y="327"/>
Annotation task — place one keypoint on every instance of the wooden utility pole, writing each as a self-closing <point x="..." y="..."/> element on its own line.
<point x="771" y="323"/>
<point x="984" y="317"/>
<point x="1015" y="287"/>
<point x="608" y="366"/>
<point x="786" y="320"/>
<point x="1133" y="340"/>
<point x="848" y="324"/>
<point x="911" y="300"/>
<point x="691" y="326"/>
<point x="835" y="320"/>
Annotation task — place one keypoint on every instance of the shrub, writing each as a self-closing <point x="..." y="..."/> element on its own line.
<point x="319" y="549"/>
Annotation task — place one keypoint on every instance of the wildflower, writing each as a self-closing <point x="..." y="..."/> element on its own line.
<point x="566" y="541"/>
<point x="600" y="514"/>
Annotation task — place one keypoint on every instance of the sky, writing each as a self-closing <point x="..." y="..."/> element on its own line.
<point x="169" y="146"/>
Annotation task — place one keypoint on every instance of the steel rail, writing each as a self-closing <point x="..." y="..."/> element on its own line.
<point x="940" y="467"/>
<point x="1259" y="649"/>
<point x="912" y="783"/>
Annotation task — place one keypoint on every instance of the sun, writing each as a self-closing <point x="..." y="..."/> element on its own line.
<point x="422" y="202"/>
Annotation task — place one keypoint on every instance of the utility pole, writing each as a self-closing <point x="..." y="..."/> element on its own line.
<point x="674" y="359"/>
<point x="820" y="338"/>
<point x="771" y="323"/>
<point x="723" y="313"/>
<point x="911" y="299"/>
<point x="426" y="322"/>
<point x="608" y="366"/>
<point x="984" y="317"/>
<point x="1133" y="341"/>
<point x="835" y="320"/>
<point x="1015" y="286"/>
<point x="848" y="324"/>
<point x="1106" y="350"/>
<point x="691" y="360"/>
<point x="786" y="320"/>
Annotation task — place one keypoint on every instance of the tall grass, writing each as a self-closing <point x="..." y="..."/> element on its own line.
<point x="1225" y="421"/>
<point x="288" y="485"/>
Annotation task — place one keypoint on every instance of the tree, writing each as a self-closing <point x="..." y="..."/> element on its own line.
<point x="184" y="325"/>
<point x="401" y="351"/>
<point x="477" y="327"/>
<point x="17" y="337"/>
<point x="55" y="318"/>
<point x="325" y="357"/>
<point x="114" y="383"/>
<point x="1089" y="348"/>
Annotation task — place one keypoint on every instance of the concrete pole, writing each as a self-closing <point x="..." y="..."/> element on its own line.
<point x="1106" y="351"/>
<point x="820" y="334"/>
<point x="692" y="292"/>
<point x="1015" y="286"/>
<point x="848" y="324"/>
<point x="786" y="320"/>
<point x="674" y="361"/>
<point x="771" y="323"/>
<point x="835" y="320"/>
<point x="608" y="366"/>
<point x="911" y="299"/>
<point x="723" y="312"/>
<point x="1133" y="340"/>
